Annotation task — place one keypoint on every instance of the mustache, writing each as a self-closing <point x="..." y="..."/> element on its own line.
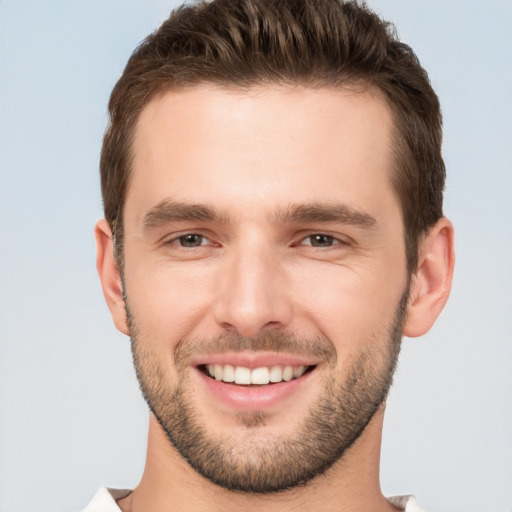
<point x="272" y="341"/>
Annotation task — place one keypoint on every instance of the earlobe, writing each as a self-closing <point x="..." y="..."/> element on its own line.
<point x="431" y="284"/>
<point x="110" y="275"/>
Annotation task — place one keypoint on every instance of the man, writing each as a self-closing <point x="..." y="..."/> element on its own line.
<point x="272" y="182"/>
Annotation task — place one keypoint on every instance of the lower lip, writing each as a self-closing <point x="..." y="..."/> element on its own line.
<point x="252" y="398"/>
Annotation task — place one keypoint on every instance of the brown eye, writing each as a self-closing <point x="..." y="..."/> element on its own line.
<point x="321" y="240"/>
<point x="191" y="240"/>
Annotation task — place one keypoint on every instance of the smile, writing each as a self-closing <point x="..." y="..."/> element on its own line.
<point x="252" y="380"/>
<point x="256" y="376"/>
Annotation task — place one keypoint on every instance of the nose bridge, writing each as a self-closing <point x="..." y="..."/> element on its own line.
<point x="252" y="295"/>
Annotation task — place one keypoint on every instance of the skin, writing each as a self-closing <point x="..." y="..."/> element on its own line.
<point x="251" y="155"/>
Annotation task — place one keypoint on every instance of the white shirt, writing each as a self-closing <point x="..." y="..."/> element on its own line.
<point x="105" y="501"/>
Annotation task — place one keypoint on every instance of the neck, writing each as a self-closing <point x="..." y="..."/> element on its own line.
<point x="169" y="483"/>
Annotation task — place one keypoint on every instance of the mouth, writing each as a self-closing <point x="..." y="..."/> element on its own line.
<point x="252" y="377"/>
<point x="261" y="381"/>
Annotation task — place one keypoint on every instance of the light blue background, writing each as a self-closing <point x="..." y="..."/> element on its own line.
<point x="71" y="416"/>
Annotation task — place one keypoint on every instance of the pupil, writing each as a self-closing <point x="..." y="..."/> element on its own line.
<point x="191" y="240"/>
<point x="321" y="240"/>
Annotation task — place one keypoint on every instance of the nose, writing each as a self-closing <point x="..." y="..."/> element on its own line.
<point x="252" y="294"/>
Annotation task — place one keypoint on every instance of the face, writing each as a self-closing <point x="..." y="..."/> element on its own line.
<point x="265" y="276"/>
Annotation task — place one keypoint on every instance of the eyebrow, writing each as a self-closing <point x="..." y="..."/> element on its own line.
<point x="338" y="213"/>
<point x="168" y="211"/>
<point x="174" y="211"/>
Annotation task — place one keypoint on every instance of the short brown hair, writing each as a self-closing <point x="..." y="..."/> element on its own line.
<point x="313" y="43"/>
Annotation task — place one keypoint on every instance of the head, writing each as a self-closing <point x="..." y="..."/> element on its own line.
<point x="316" y="44"/>
<point x="272" y="183"/>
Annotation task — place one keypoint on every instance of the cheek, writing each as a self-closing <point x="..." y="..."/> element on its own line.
<point x="351" y="306"/>
<point x="167" y="301"/>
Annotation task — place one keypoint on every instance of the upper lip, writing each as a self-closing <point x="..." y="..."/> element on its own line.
<point x="254" y="359"/>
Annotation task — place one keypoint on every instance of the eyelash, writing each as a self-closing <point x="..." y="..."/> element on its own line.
<point x="335" y="241"/>
<point x="176" y="241"/>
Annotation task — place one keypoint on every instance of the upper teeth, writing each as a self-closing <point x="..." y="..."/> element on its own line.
<point x="246" y="376"/>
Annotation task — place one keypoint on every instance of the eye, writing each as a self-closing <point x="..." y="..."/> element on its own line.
<point x="320" y="240"/>
<point x="191" y="240"/>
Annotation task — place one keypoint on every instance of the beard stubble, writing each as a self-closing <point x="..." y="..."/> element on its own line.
<point x="261" y="466"/>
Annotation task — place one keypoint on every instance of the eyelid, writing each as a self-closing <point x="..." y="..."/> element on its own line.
<point x="173" y="240"/>
<point x="338" y="238"/>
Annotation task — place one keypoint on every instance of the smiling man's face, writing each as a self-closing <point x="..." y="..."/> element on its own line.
<point x="265" y="276"/>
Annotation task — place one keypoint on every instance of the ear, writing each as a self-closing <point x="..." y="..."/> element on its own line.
<point x="110" y="275"/>
<point x="430" y="286"/>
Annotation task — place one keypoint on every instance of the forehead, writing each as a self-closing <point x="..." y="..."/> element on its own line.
<point x="261" y="146"/>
